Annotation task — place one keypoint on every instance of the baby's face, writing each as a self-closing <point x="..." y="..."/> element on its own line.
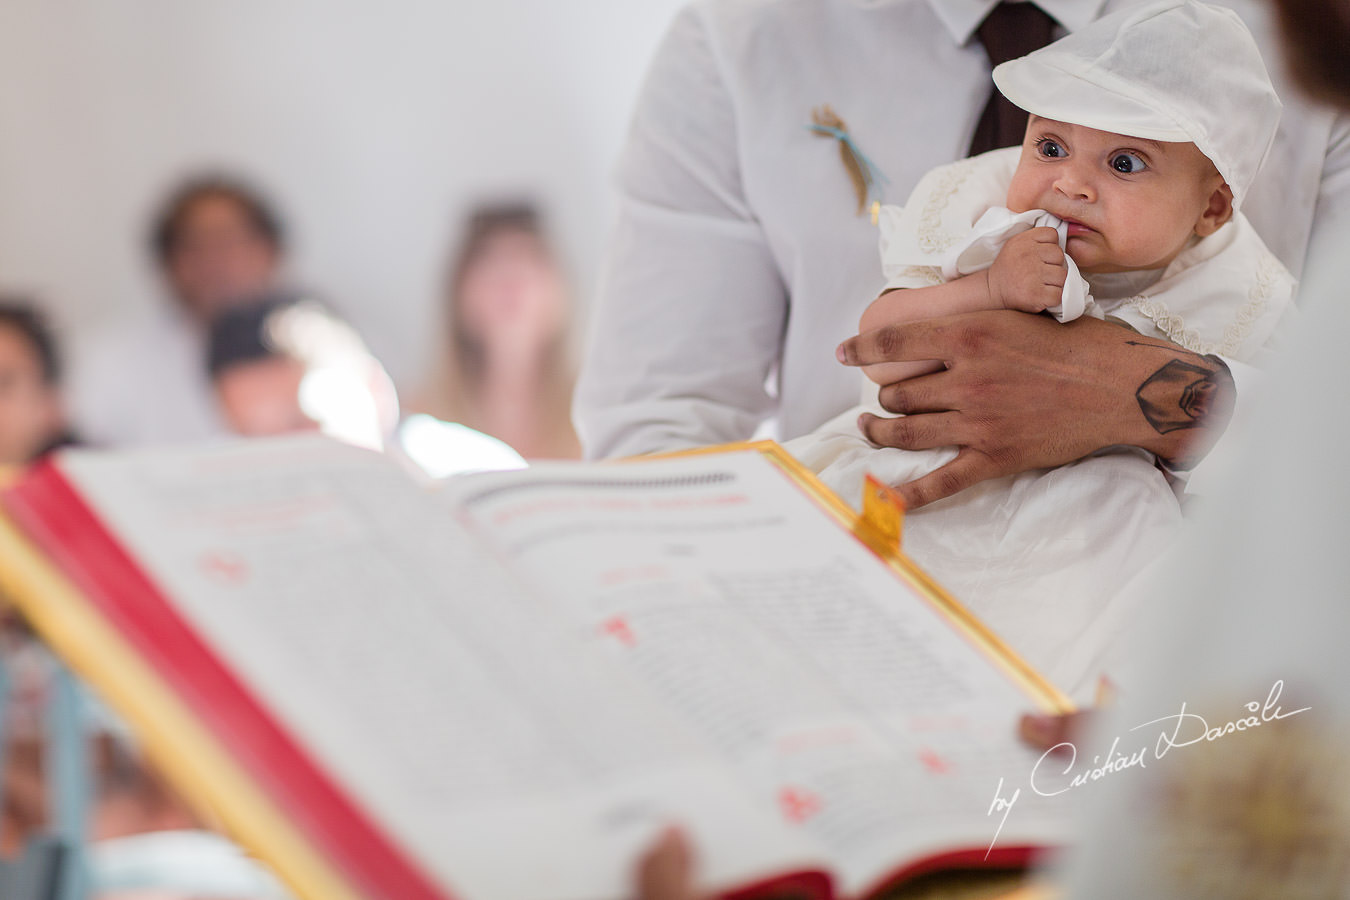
<point x="1129" y="203"/>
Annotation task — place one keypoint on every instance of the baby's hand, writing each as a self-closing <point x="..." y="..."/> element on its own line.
<point x="1029" y="273"/>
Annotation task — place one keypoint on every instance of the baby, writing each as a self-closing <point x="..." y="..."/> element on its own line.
<point x="1146" y="131"/>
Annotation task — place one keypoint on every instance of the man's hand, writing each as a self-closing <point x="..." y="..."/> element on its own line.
<point x="1045" y="732"/>
<point x="1029" y="272"/>
<point x="666" y="869"/>
<point x="1023" y="392"/>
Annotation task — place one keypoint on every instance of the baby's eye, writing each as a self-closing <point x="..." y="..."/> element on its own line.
<point x="1047" y="147"/>
<point x="1127" y="163"/>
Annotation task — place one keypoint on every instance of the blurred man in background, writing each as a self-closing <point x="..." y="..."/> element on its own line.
<point x="218" y="244"/>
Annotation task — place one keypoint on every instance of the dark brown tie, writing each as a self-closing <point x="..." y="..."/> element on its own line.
<point x="1010" y="30"/>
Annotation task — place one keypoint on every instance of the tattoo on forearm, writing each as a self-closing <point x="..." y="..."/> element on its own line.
<point x="1184" y="394"/>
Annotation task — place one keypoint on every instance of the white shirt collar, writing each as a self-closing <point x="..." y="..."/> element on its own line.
<point x="962" y="17"/>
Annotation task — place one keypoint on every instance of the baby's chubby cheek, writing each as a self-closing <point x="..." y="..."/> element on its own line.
<point x="1022" y="194"/>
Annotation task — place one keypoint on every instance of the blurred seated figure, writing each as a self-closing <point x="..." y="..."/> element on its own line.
<point x="283" y="364"/>
<point x="32" y="416"/>
<point x="506" y="371"/>
<point x="145" y="840"/>
<point x="32" y="422"/>
<point x="256" y="383"/>
<point x="143" y="834"/>
<point x="217" y="243"/>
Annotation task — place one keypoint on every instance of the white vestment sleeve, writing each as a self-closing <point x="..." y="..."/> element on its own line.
<point x="1323" y="270"/>
<point x="1322" y="279"/>
<point x="1247" y="383"/>
<point x="692" y="307"/>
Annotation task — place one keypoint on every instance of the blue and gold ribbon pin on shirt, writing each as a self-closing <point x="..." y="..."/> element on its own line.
<point x="867" y="178"/>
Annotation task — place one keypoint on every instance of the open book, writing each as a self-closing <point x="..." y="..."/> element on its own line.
<point x="505" y="685"/>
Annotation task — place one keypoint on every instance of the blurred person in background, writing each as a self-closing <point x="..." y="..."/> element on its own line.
<point x="217" y="243"/>
<point x="134" y="808"/>
<point x="507" y="370"/>
<point x="32" y="422"/>
<point x="256" y="384"/>
<point x="32" y="414"/>
<point x="283" y="364"/>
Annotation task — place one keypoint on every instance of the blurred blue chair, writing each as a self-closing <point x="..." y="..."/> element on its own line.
<point x="61" y="864"/>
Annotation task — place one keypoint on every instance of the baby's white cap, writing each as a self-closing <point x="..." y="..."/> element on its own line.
<point x="1177" y="70"/>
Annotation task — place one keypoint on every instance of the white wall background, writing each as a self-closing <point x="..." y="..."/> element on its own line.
<point x="372" y="124"/>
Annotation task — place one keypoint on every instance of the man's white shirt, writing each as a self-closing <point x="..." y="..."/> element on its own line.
<point x="739" y="259"/>
<point x="145" y="383"/>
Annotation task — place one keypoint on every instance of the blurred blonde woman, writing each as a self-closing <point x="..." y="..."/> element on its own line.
<point x="507" y="370"/>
